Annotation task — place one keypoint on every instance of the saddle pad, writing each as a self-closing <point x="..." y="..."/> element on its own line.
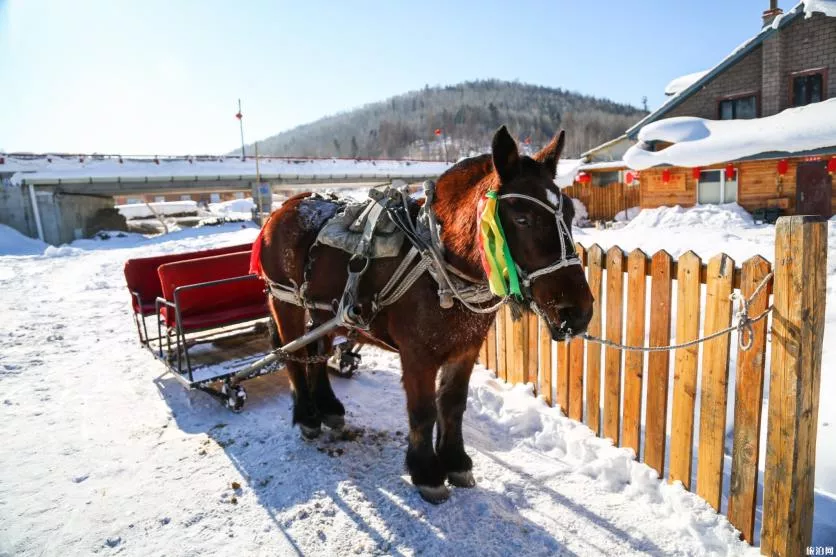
<point x="345" y="229"/>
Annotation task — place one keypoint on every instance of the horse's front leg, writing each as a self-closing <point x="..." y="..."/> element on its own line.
<point x="452" y="400"/>
<point x="424" y="467"/>
<point x="327" y="404"/>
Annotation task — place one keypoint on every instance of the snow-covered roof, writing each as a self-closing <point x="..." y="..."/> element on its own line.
<point x="827" y="7"/>
<point x="567" y="169"/>
<point x="700" y="142"/>
<point x="51" y="168"/>
<point x="604" y="165"/>
<point x="683" y="82"/>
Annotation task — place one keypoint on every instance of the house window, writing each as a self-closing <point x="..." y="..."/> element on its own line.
<point x="159" y="198"/>
<point x="239" y="195"/>
<point x="807" y="89"/>
<point x="214" y="198"/>
<point x="714" y="188"/>
<point x="605" y="178"/>
<point x="185" y="197"/>
<point x="740" y="108"/>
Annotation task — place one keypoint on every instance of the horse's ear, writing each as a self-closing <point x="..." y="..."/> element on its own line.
<point x="506" y="157"/>
<point x="550" y="154"/>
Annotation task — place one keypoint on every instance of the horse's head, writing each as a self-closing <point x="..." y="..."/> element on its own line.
<point x="537" y="220"/>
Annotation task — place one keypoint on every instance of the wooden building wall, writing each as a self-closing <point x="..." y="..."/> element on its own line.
<point x="757" y="186"/>
<point x="603" y="202"/>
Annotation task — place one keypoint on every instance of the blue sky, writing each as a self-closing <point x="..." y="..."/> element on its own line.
<point x="163" y="77"/>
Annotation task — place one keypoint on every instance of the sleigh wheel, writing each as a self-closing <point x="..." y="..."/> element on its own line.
<point x="345" y="361"/>
<point x="235" y="396"/>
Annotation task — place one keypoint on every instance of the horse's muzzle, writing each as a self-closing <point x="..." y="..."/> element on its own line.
<point x="573" y="322"/>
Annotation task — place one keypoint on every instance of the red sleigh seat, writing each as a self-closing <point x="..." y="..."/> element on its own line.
<point x="211" y="292"/>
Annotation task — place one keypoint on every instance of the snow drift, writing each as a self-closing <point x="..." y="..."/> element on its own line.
<point x="13" y="242"/>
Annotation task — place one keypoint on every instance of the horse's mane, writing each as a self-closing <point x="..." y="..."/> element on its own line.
<point x="457" y="196"/>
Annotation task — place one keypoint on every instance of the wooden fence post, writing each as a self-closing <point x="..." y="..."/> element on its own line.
<point x="595" y="262"/>
<point x="748" y="402"/>
<point x="797" y="335"/>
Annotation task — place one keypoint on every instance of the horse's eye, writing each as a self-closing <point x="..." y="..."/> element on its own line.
<point x="522" y="221"/>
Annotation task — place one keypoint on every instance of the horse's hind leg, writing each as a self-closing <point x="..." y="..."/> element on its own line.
<point x="291" y="325"/>
<point x="452" y="400"/>
<point x="424" y="466"/>
<point x="329" y="406"/>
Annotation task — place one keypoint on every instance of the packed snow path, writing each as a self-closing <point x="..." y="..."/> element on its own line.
<point x="103" y="453"/>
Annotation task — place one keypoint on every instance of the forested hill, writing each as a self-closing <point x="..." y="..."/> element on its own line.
<point x="468" y="113"/>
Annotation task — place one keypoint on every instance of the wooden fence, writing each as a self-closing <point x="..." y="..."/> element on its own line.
<point x="603" y="202"/>
<point x="523" y="351"/>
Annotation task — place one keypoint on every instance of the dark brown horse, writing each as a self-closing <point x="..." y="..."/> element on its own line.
<point x="428" y="337"/>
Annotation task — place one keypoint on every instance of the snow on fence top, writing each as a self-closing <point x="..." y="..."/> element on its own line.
<point x="683" y="82"/>
<point x="100" y="168"/>
<point x="700" y="142"/>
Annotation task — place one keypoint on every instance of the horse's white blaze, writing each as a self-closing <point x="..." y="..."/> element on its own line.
<point x="552" y="197"/>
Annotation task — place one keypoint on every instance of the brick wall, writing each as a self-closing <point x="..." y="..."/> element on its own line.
<point x="802" y="45"/>
<point x="806" y="44"/>
<point x="743" y="77"/>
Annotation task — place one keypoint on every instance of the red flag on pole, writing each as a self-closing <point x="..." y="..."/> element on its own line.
<point x="239" y="115"/>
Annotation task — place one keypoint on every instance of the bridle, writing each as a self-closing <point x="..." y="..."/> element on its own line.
<point x="568" y="255"/>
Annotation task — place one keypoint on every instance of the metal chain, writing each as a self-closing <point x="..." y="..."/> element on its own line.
<point x="743" y="325"/>
<point x="288" y="356"/>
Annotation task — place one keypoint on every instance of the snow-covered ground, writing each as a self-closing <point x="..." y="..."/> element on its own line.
<point x="104" y="453"/>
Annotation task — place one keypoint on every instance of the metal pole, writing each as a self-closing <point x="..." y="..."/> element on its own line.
<point x="37" y="212"/>
<point x="312" y="336"/>
<point x="444" y="143"/>
<point x="241" y="124"/>
<point x="258" y="200"/>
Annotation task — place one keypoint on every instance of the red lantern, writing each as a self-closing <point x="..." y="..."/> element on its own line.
<point x="783" y="167"/>
<point x="696" y="171"/>
<point x="666" y="176"/>
<point x="584" y="178"/>
<point x="438" y="131"/>
<point x="239" y="115"/>
<point x="831" y="165"/>
<point x="730" y="171"/>
<point x="628" y="178"/>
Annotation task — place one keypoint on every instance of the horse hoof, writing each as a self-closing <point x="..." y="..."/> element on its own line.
<point x="434" y="494"/>
<point x="462" y="479"/>
<point x="309" y="432"/>
<point x="333" y="421"/>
